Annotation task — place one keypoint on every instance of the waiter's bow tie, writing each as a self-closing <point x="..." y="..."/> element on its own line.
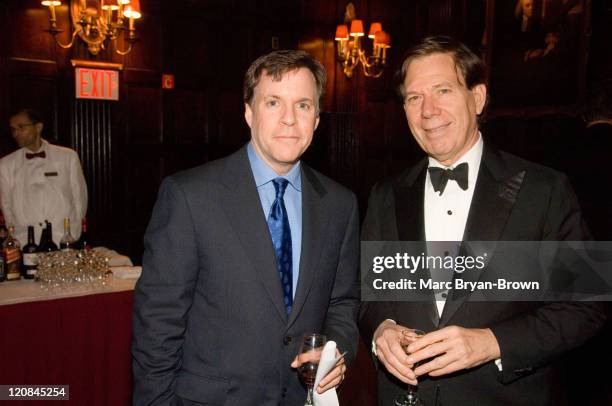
<point x="31" y="155"/>
<point x="439" y="177"/>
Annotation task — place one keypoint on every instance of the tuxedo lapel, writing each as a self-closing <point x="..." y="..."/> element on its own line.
<point x="494" y="197"/>
<point x="315" y="215"/>
<point x="495" y="194"/>
<point x="243" y="208"/>
<point x="409" y="193"/>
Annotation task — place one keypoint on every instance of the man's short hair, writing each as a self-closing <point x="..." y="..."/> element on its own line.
<point x="471" y="66"/>
<point x="276" y="64"/>
<point x="33" y="115"/>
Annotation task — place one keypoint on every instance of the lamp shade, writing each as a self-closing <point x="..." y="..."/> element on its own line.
<point x="110" y="5"/>
<point x="383" y="39"/>
<point x="342" y="32"/>
<point x="357" y="28"/>
<point x="132" y="10"/>
<point x="51" y="3"/>
<point x="374" y="28"/>
<point x="92" y="7"/>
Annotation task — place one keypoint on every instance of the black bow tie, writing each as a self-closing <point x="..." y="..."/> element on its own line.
<point x="439" y="177"/>
<point x="40" y="154"/>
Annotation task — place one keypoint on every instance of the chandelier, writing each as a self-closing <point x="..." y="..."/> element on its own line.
<point x="350" y="51"/>
<point x="98" y="23"/>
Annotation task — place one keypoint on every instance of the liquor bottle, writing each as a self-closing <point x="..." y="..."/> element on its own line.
<point x="84" y="239"/>
<point x="46" y="239"/>
<point x="67" y="242"/>
<point x="30" y="256"/>
<point x="43" y="236"/>
<point x="11" y="252"/>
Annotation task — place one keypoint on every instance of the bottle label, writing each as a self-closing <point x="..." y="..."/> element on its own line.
<point x="12" y="275"/>
<point x="32" y="272"/>
<point x="11" y="255"/>
<point x="30" y="259"/>
<point x="11" y="260"/>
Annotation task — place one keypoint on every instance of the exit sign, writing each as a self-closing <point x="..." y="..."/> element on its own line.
<point x="99" y="84"/>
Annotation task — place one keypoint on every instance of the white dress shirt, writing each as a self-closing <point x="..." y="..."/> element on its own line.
<point x="446" y="214"/>
<point x="264" y="175"/>
<point x="39" y="189"/>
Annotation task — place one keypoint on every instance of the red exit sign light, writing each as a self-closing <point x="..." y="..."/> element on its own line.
<point x="99" y="84"/>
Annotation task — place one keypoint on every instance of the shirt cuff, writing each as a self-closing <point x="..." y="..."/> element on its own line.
<point x="498" y="363"/>
<point x="374" y="343"/>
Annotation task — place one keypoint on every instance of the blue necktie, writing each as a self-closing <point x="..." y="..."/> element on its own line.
<point x="278" y="223"/>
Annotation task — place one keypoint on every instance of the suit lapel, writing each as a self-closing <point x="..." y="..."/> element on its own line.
<point x="494" y="197"/>
<point x="409" y="193"/>
<point x="315" y="215"/>
<point x="409" y="210"/>
<point x="243" y="208"/>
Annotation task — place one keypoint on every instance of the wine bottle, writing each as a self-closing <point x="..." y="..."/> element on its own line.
<point x="67" y="242"/>
<point x="43" y="235"/>
<point x="11" y="252"/>
<point x="84" y="239"/>
<point x="30" y="256"/>
<point x="46" y="239"/>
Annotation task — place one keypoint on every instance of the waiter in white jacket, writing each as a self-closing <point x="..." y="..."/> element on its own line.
<point x="40" y="181"/>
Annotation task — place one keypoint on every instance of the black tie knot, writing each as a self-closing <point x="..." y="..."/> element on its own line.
<point x="440" y="176"/>
<point x="280" y="184"/>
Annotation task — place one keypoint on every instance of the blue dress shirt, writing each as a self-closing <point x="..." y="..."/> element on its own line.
<point x="264" y="175"/>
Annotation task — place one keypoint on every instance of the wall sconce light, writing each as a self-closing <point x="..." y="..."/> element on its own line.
<point x="350" y="52"/>
<point x="98" y="22"/>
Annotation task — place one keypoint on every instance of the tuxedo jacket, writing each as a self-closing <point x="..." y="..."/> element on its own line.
<point x="210" y="325"/>
<point x="514" y="200"/>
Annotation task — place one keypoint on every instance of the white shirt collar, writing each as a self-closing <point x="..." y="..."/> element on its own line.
<point x="473" y="157"/>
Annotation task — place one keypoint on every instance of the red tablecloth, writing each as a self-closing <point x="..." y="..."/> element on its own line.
<point x="83" y="342"/>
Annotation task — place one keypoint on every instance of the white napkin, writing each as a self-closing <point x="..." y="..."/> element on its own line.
<point x="326" y="364"/>
<point x="126" y="272"/>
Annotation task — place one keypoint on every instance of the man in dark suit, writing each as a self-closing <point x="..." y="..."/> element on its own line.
<point x="474" y="353"/>
<point x="245" y="255"/>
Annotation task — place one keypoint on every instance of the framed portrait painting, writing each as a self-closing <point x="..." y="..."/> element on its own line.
<point x="537" y="53"/>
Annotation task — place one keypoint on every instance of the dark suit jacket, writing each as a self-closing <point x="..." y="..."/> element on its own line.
<point x="514" y="200"/>
<point x="210" y="325"/>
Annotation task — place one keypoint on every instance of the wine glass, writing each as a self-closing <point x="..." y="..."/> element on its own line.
<point x="312" y="345"/>
<point x="409" y="398"/>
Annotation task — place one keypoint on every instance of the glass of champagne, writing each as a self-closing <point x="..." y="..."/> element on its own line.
<point x="312" y="345"/>
<point x="409" y="398"/>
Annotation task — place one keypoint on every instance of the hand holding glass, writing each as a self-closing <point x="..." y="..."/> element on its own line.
<point x="409" y="398"/>
<point x="310" y="354"/>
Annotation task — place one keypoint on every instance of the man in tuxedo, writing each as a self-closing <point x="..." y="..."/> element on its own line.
<point x="474" y="353"/>
<point x="245" y="255"/>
